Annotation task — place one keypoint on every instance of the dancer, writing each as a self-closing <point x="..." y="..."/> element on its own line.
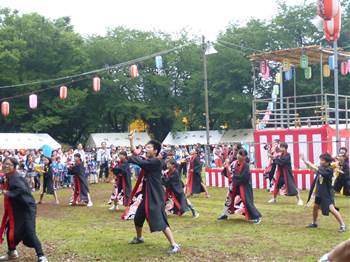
<point x="324" y="199"/>
<point x="270" y="170"/>
<point x="81" y="192"/>
<point x="152" y="206"/>
<point x="122" y="186"/>
<point x="195" y="184"/>
<point x="285" y="179"/>
<point x="341" y="253"/>
<point x="18" y="222"/>
<point x="342" y="181"/>
<point x="240" y="198"/>
<point x="48" y="187"/>
<point x="174" y="190"/>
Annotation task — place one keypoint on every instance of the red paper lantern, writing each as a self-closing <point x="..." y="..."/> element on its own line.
<point x="33" y="101"/>
<point x="344" y="68"/>
<point x="63" y="92"/>
<point x="96" y="84"/>
<point x="263" y="67"/>
<point x="134" y="72"/>
<point x="327" y="9"/>
<point x="332" y="27"/>
<point x="5" y="108"/>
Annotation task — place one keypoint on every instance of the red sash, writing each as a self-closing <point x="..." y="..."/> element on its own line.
<point x="8" y="219"/>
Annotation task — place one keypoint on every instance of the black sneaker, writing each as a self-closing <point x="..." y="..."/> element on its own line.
<point x="136" y="241"/>
<point x="342" y="229"/>
<point x="223" y="217"/>
<point x="312" y="225"/>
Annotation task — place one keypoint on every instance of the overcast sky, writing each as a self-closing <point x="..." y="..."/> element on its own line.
<point x="199" y="17"/>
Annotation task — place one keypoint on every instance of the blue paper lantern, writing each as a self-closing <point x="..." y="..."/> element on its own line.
<point x="159" y="62"/>
<point x="288" y="75"/>
<point x="331" y="62"/>
<point x="47" y="151"/>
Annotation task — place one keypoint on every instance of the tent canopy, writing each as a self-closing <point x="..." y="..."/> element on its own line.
<point x="192" y="138"/>
<point x="26" y="141"/>
<point x="244" y="136"/>
<point x="116" y="139"/>
<point x="293" y="54"/>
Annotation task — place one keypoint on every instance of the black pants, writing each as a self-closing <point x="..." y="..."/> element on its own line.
<point x="183" y="169"/>
<point x="30" y="240"/>
<point x="103" y="170"/>
<point x="140" y="215"/>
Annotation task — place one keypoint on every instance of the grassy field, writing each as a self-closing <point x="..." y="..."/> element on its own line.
<point x="96" y="234"/>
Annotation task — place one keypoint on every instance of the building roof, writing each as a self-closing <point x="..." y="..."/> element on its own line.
<point x="293" y="54"/>
<point x="27" y="141"/>
<point x="116" y="139"/>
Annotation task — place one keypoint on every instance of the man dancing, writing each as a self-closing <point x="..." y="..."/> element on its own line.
<point x="152" y="206"/>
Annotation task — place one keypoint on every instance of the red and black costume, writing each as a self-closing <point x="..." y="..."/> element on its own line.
<point x="122" y="181"/>
<point x="284" y="175"/>
<point x="175" y="192"/>
<point x="81" y="187"/>
<point x="152" y="207"/>
<point x="18" y="222"/>
<point x="240" y="195"/>
<point x="194" y="178"/>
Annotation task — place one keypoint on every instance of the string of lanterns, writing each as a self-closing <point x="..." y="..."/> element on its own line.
<point x="96" y="87"/>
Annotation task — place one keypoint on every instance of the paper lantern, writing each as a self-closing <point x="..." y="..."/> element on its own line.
<point x="274" y="97"/>
<point x="96" y="84"/>
<point x="288" y="75"/>
<point x="348" y="65"/>
<point x="326" y="71"/>
<point x="278" y="78"/>
<point x="63" y="92"/>
<point x="33" y="101"/>
<point x="286" y="65"/>
<point x="331" y="62"/>
<point x="159" y="62"/>
<point x="266" y="117"/>
<point x="327" y="9"/>
<point x="344" y="68"/>
<point x="308" y="72"/>
<point x="270" y="106"/>
<point x="5" y="108"/>
<point x="263" y="67"/>
<point x="134" y="72"/>
<point x="304" y="61"/>
<point x="332" y="27"/>
<point x="267" y="73"/>
<point x="276" y="90"/>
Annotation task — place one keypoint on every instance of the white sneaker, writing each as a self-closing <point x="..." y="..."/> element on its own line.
<point x="174" y="249"/>
<point x="90" y="204"/>
<point x="113" y="208"/>
<point x="272" y="200"/>
<point x="11" y="255"/>
<point x="42" y="259"/>
<point x="300" y="202"/>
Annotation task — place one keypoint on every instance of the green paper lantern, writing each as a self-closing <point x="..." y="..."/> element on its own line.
<point x="304" y="61"/>
<point x="308" y="72"/>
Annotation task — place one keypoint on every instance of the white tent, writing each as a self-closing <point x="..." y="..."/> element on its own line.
<point x="244" y="136"/>
<point x="116" y="139"/>
<point x="193" y="137"/>
<point x="26" y="141"/>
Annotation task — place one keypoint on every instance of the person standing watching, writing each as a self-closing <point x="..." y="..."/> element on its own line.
<point x="103" y="158"/>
